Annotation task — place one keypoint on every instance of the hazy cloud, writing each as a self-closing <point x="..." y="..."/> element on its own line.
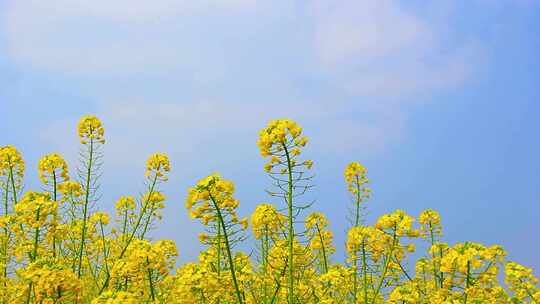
<point x="214" y="69"/>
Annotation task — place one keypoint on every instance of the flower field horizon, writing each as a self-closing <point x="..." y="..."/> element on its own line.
<point x="57" y="245"/>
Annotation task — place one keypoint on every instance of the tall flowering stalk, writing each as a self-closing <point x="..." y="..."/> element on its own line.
<point x="267" y="224"/>
<point x="36" y="214"/>
<point x="53" y="171"/>
<point x="320" y="239"/>
<point x="281" y="141"/>
<point x="431" y="229"/>
<point x="357" y="185"/>
<point x="12" y="168"/>
<point x="212" y="201"/>
<point x="135" y="224"/>
<point x="91" y="135"/>
<point x="397" y="228"/>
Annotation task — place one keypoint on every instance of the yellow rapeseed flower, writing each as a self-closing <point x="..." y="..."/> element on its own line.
<point x="91" y="129"/>
<point x="11" y="160"/>
<point x="158" y="165"/>
<point x="53" y="166"/>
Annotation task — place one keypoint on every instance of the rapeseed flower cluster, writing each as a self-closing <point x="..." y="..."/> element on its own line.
<point x="12" y="168"/>
<point x="52" y="168"/>
<point x="90" y="129"/>
<point x="267" y="222"/>
<point x="56" y="246"/>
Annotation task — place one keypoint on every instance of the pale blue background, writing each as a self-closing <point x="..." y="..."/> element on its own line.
<point x="439" y="101"/>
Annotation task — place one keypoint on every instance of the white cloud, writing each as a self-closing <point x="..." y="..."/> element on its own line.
<point x="368" y="47"/>
<point x="124" y="10"/>
<point x="366" y="30"/>
<point x="378" y="48"/>
<point x="99" y="37"/>
<point x="200" y="55"/>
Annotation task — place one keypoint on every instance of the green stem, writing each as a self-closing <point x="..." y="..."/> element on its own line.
<point x="36" y="236"/>
<point x="150" y="280"/>
<point x="290" y="237"/>
<point x="228" y="247"/>
<point x="105" y="254"/>
<point x="264" y="249"/>
<point x="355" y="275"/>
<point x="441" y="273"/>
<point x="358" y="201"/>
<point x="152" y="208"/>
<point x="139" y="218"/>
<point x="85" y="211"/>
<point x="124" y="224"/>
<point x="325" y="259"/>
<point x="93" y="273"/>
<point x="30" y="288"/>
<point x="435" y="273"/>
<point x="403" y="270"/>
<point x="59" y="292"/>
<point x="13" y="188"/>
<point x="385" y="267"/>
<point x="278" y="283"/>
<point x="132" y="234"/>
<point x="54" y="199"/>
<point x="364" y="270"/>
<point x="218" y="261"/>
<point x="7" y="232"/>
<point x="467" y="280"/>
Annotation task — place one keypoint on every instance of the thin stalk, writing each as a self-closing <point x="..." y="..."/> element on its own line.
<point x="364" y="270"/>
<point x="228" y="247"/>
<point x="85" y="211"/>
<point x="33" y="256"/>
<point x="325" y="259"/>
<point x="29" y="296"/>
<point x="357" y="215"/>
<point x="435" y="275"/>
<point x="139" y="219"/>
<point x="441" y="273"/>
<point x="218" y="261"/>
<point x="36" y="237"/>
<point x="105" y="254"/>
<point x="467" y="280"/>
<point x="264" y="247"/>
<point x="385" y="267"/>
<point x="355" y="275"/>
<point x="290" y="237"/>
<point x="124" y="223"/>
<point x="356" y="224"/>
<point x="150" y="280"/>
<point x="278" y="287"/>
<point x="7" y="233"/>
<point x="147" y="223"/>
<point x="132" y="234"/>
<point x="403" y="270"/>
<point x="152" y="209"/>
<point x="54" y="199"/>
<point x="93" y="273"/>
<point x="13" y="188"/>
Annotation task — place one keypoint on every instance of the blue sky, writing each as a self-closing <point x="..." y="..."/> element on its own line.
<point x="438" y="100"/>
